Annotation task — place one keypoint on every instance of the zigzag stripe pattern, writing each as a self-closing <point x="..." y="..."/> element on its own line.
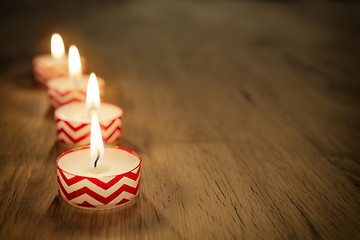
<point x="43" y="73"/>
<point x="98" y="193"/>
<point x="45" y="68"/>
<point x="58" y="98"/>
<point x="79" y="133"/>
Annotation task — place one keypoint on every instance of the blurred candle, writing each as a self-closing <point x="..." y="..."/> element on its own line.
<point x="73" y="120"/>
<point x="49" y="66"/>
<point x="71" y="88"/>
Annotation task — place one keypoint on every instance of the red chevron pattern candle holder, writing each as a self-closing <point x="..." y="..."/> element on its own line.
<point x="47" y="67"/>
<point x="61" y="91"/>
<point x="73" y="123"/>
<point x="112" y="184"/>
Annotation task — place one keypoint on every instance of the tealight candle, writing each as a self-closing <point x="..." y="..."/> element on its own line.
<point x="72" y="88"/>
<point x="95" y="177"/>
<point x="73" y="120"/>
<point x="48" y="66"/>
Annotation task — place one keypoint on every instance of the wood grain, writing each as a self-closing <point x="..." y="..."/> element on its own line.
<point x="246" y="115"/>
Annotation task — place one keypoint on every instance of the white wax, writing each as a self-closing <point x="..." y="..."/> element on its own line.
<point x="115" y="162"/>
<point x="64" y="83"/>
<point x="77" y="112"/>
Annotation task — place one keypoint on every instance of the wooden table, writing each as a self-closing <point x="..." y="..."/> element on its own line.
<point x="246" y="115"/>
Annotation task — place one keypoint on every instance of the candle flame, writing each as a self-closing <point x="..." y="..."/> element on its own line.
<point x="75" y="72"/>
<point x="92" y="94"/>
<point x="57" y="46"/>
<point x="96" y="142"/>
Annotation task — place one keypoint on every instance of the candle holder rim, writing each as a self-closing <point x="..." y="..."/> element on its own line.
<point x="49" y="55"/>
<point x="88" y="121"/>
<point x="88" y="147"/>
<point x="85" y="77"/>
<point x="45" y="55"/>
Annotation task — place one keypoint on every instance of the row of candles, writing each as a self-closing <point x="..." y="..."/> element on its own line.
<point x="92" y="175"/>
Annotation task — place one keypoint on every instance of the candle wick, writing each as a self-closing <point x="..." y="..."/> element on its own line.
<point x="97" y="158"/>
<point x="91" y="110"/>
